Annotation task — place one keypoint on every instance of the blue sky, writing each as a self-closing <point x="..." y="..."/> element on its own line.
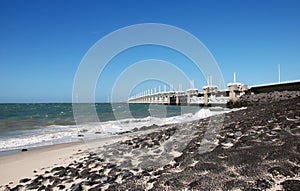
<point x="43" y="42"/>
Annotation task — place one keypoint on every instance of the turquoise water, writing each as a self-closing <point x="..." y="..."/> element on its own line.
<point x="30" y="125"/>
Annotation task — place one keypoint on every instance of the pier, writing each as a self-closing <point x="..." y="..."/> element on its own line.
<point x="210" y="95"/>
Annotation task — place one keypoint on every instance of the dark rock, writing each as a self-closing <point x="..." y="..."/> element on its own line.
<point x="69" y="180"/>
<point x="152" y="180"/>
<point x="110" y="165"/>
<point x="48" y="188"/>
<point x="73" y="172"/>
<point x="51" y="178"/>
<point x="139" y="189"/>
<point x="93" y="177"/>
<point x="90" y="183"/>
<point x="227" y="140"/>
<point x="113" y="187"/>
<point x="114" y="171"/>
<point x="60" y="187"/>
<point x="61" y="173"/>
<point x="16" y="188"/>
<point x="39" y="178"/>
<point x="104" y="179"/>
<point x="275" y="171"/>
<point x="80" y="165"/>
<point x="291" y="185"/>
<point x="36" y="183"/>
<point x="112" y="179"/>
<point x="156" y="142"/>
<point x="148" y="127"/>
<point x="168" y="167"/>
<point x="194" y="184"/>
<point x="43" y="187"/>
<point x="145" y="173"/>
<point x="124" y="132"/>
<point x="237" y="134"/>
<point x="96" y="188"/>
<point x="159" y="172"/>
<point x="173" y="183"/>
<point x="33" y="185"/>
<point x="55" y="182"/>
<point x="85" y="173"/>
<point x="24" y="180"/>
<point x="145" y="145"/>
<point x="60" y="168"/>
<point x="24" y="150"/>
<point x="263" y="184"/>
<point x="264" y="98"/>
<point x="126" y="174"/>
<point x="76" y="187"/>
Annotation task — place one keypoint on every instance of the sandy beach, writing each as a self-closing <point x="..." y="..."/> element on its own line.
<point x="23" y="164"/>
<point x="254" y="148"/>
<point x="38" y="160"/>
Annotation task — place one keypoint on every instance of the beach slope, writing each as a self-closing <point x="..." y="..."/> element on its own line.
<point x="255" y="148"/>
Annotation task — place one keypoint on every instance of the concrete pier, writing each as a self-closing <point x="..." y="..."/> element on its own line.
<point x="207" y="92"/>
<point x="233" y="88"/>
<point x="210" y="95"/>
<point x="190" y="97"/>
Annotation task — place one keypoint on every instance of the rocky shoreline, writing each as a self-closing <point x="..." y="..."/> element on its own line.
<point x="264" y="98"/>
<point x="256" y="148"/>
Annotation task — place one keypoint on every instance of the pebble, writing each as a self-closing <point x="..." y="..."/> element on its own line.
<point x="237" y="134"/>
<point x="104" y="179"/>
<point x="24" y="180"/>
<point x="76" y="187"/>
<point x="126" y="174"/>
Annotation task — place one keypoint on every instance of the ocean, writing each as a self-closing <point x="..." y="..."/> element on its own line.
<point x="41" y="124"/>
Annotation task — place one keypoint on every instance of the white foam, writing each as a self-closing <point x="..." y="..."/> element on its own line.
<point x="123" y="125"/>
<point x="59" y="134"/>
<point x="40" y="137"/>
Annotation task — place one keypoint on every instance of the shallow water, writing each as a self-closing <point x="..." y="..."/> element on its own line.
<point x="32" y="125"/>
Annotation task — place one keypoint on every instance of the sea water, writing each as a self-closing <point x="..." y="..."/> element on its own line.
<point x="42" y="124"/>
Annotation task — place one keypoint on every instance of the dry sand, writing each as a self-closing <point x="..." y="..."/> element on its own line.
<point x="20" y="165"/>
<point x="16" y="166"/>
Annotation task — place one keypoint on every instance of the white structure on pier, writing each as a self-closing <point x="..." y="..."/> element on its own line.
<point x="236" y="89"/>
<point x="167" y="97"/>
<point x="192" y="96"/>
